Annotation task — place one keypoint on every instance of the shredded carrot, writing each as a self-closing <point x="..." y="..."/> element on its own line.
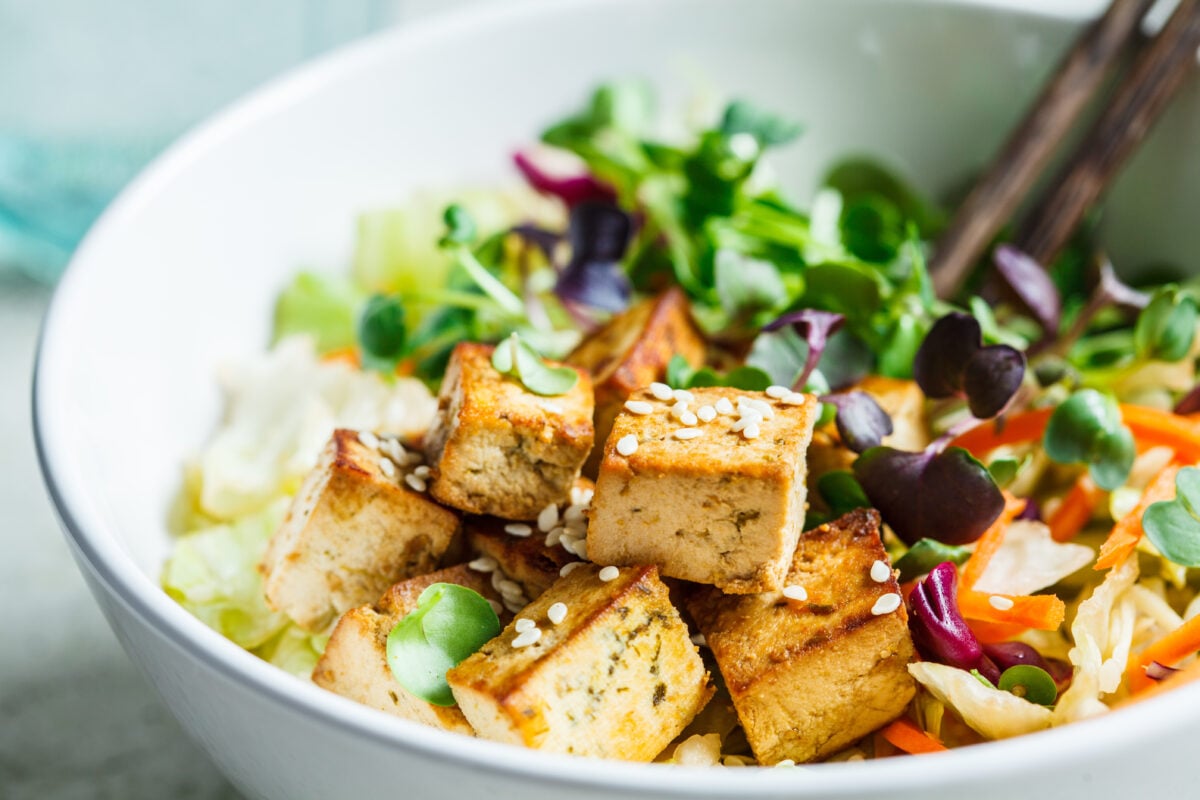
<point x="1042" y="611"/>
<point x="1168" y="651"/>
<point x="1150" y="427"/>
<point x="346" y="355"/>
<point x="994" y="632"/>
<point x="906" y="736"/>
<point x="1125" y="535"/>
<point x="987" y="544"/>
<point x="1186" y="675"/>
<point x="1075" y="510"/>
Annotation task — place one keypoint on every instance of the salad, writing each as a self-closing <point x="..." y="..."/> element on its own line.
<point x="639" y="459"/>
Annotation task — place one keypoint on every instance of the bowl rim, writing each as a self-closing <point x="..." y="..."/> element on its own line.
<point x="100" y="554"/>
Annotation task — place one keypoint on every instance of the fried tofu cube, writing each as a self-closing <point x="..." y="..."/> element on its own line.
<point x="354" y="528"/>
<point x="631" y="351"/>
<point x="354" y="664"/>
<point x="810" y="676"/>
<point x="710" y="504"/>
<point x="497" y="448"/>
<point x="528" y="560"/>
<point x="616" y="677"/>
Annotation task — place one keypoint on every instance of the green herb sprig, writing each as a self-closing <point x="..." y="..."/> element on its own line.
<point x="515" y="358"/>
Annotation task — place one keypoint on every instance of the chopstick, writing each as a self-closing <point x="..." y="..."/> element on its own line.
<point x="1157" y="74"/>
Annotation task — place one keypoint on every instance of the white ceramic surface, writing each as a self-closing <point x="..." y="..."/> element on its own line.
<point x="180" y="273"/>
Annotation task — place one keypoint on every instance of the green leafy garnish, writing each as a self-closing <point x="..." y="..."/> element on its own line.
<point x="1030" y="682"/>
<point x="322" y="306"/>
<point x="927" y="554"/>
<point x="1166" y="328"/>
<point x="460" y="232"/>
<point x="1004" y="470"/>
<point x="680" y="375"/>
<point x="769" y="129"/>
<point x="450" y="623"/>
<point x="841" y="492"/>
<point x="1086" y="428"/>
<point x="515" y="358"/>
<point x="1173" y="526"/>
<point x="382" y="332"/>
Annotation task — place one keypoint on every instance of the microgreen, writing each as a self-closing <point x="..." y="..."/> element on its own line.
<point x="814" y="327"/>
<point x="861" y="423"/>
<point x="746" y="286"/>
<point x="1032" y="285"/>
<point x="1173" y="526"/>
<point x="1166" y="328"/>
<point x="571" y="190"/>
<point x="945" y="495"/>
<point x="449" y="623"/>
<point x="768" y="128"/>
<point x="1004" y="470"/>
<point x="517" y="359"/>
<point x="952" y="361"/>
<point x="1086" y="428"/>
<point x="926" y="554"/>
<point x="381" y="332"/>
<point x="460" y="232"/>
<point x="680" y="375"/>
<point x="841" y="492"/>
<point x="599" y="233"/>
<point x="1030" y="682"/>
<point x="938" y="629"/>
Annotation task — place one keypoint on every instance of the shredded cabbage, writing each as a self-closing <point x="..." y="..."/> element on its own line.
<point x="1029" y="560"/>
<point x="992" y="713"/>
<point x="281" y="410"/>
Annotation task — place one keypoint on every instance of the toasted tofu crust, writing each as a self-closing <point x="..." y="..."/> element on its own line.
<point x="498" y="449"/>
<point x="352" y="531"/>
<point x="718" y="509"/>
<point x="631" y="351"/>
<point x="354" y="664"/>
<point x="810" y="677"/>
<point x="526" y="560"/>
<point x="617" y="678"/>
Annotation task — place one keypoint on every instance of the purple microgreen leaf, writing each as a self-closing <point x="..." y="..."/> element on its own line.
<point x="948" y="496"/>
<point x="991" y="379"/>
<point x="952" y="362"/>
<point x="815" y="327"/>
<point x="599" y="234"/>
<point x="1114" y="291"/>
<point x="1031" y="283"/>
<point x="572" y="190"/>
<point x="541" y="238"/>
<point x="1190" y="402"/>
<point x="1031" y="511"/>
<point x="861" y="423"/>
<point x="938" y="628"/>
<point x="1157" y="672"/>
<point x="943" y="355"/>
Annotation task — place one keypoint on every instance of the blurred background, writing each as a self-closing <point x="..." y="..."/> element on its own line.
<point x="89" y="92"/>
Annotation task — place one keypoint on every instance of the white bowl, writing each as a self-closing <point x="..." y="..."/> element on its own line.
<point x="180" y="274"/>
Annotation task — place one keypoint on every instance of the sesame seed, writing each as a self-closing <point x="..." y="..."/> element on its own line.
<point x="661" y="391"/>
<point x="794" y="399"/>
<point x="548" y="518"/>
<point x="777" y="392"/>
<point x="422" y="471"/>
<point x="706" y="413"/>
<point x="723" y="406"/>
<point x="368" y="439"/>
<point x="739" y="425"/>
<point x="387" y="466"/>
<point x="795" y="593"/>
<point x="552" y="408"/>
<point x="688" y="418"/>
<point x="762" y="407"/>
<point x="880" y="572"/>
<point x="415" y="483"/>
<point x="787" y="762"/>
<point x="699" y="640"/>
<point x="585" y="496"/>
<point x="638" y="407"/>
<point x="575" y="513"/>
<point x="495" y="606"/>
<point x="557" y="612"/>
<point x="751" y="431"/>
<point x="679" y="409"/>
<point x="609" y="574"/>
<point x="515" y="606"/>
<point x="518" y="529"/>
<point x="627" y="445"/>
<point x="524" y="624"/>
<point x="483" y="564"/>
<point x="567" y="569"/>
<point x="393" y="448"/>
<point x="886" y="604"/>
<point x="687" y="433"/>
<point x="555" y="536"/>
<point x="527" y="638"/>
<point x="683" y="395"/>
<point x="1000" y="603"/>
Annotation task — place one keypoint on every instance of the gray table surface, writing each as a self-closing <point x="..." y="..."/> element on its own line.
<point x="77" y="720"/>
